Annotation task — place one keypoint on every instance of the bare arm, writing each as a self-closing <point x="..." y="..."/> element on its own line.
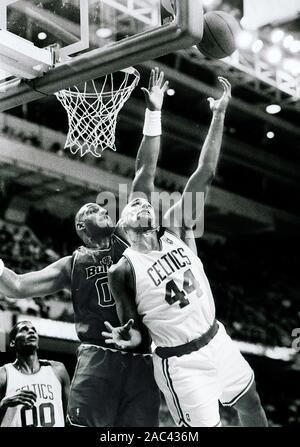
<point x="188" y="210"/>
<point x="146" y="160"/>
<point x="22" y="397"/>
<point x="63" y="377"/>
<point x="49" y="280"/>
<point x="121" y="284"/>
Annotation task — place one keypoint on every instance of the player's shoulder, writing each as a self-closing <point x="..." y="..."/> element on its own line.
<point x="58" y="368"/>
<point x="169" y="234"/>
<point x="62" y="265"/>
<point x="120" y="267"/>
<point x="120" y="273"/>
<point x="53" y="363"/>
<point x="119" y="238"/>
<point x="79" y="250"/>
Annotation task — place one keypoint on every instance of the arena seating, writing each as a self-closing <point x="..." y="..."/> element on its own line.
<point x="243" y="283"/>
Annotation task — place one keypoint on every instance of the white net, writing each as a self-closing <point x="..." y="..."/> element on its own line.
<point x="93" y="111"/>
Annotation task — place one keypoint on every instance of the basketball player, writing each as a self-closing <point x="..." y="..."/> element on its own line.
<point x="33" y="392"/>
<point x="110" y="387"/>
<point x="159" y="277"/>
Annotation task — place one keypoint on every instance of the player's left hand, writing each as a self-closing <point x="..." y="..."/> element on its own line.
<point x="220" y="105"/>
<point x="157" y="88"/>
<point x="120" y="336"/>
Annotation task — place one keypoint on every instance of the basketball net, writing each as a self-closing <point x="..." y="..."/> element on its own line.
<point x="92" y="112"/>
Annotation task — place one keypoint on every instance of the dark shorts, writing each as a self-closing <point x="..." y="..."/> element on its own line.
<point x="111" y="389"/>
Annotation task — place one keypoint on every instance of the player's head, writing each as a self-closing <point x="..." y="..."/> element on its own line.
<point x="138" y="216"/>
<point x="23" y="338"/>
<point x="92" y="223"/>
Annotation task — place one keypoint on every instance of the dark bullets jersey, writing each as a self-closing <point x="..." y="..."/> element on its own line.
<point x="92" y="300"/>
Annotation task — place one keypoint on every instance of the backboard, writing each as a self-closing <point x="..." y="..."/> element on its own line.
<point x="48" y="45"/>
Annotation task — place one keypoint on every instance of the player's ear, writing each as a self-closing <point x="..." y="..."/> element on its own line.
<point x="12" y="344"/>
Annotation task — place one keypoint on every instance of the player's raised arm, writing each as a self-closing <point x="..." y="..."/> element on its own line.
<point x="148" y="152"/>
<point x="187" y="211"/>
<point x="51" y="279"/>
<point x="120" y="280"/>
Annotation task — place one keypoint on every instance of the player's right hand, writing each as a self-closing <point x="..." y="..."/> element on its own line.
<point x="24" y="397"/>
<point x="120" y="336"/>
<point x="157" y="88"/>
<point x="220" y="105"/>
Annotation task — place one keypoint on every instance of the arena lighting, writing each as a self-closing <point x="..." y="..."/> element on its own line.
<point x="274" y="55"/>
<point x="171" y="92"/>
<point x="104" y="33"/>
<point x="272" y="109"/>
<point x="213" y="4"/>
<point x="42" y="36"/>
<point x="277" y="35"/>
<point x="287" y="41"/>
<point x="294" y="46"/>
<point x="270" y="135"/>
<point x="247" y="24"/>
<point x="257" y="46"/>
<point x="244" y="39"/>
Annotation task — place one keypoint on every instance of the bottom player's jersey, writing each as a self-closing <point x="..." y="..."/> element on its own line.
<point x="92" y="300"/>
<point x="48" y="409"/>
<point x="172" y="292"/>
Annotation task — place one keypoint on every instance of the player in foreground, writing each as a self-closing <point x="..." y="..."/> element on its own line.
<point x="160" y="278"/>
<point x="110" y="387"/>
<point x="33" y="392"/>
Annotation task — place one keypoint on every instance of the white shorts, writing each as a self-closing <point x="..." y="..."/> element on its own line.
<point x="193" y="384"/>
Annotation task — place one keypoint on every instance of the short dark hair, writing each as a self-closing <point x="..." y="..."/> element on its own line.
<point x="15" y="328"/>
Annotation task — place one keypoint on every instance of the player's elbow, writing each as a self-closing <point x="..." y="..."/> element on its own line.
<point x="206" y="172"/>
<point x="13" y="288"/>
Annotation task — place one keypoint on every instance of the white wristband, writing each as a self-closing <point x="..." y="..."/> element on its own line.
<point x="152" y="125"/>
<point x="1" y="267"/>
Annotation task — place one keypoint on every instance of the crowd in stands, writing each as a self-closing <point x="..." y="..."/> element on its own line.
<point x="33" y="139"/>
<point x="23" y="252"/>
<point x="21" y="135"/>
<point x="254" y="281"/>
<point x="117" y="164"/>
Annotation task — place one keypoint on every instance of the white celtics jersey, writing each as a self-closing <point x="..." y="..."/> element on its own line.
<point x="47" y="411"/>
<point x="173" y="294"/>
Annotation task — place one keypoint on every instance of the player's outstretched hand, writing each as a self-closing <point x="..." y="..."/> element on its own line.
<point x="157" y="88"/>
<point x="24" y="397"/>
<point x="122" y="337"/>
<point x="220" y="105"/>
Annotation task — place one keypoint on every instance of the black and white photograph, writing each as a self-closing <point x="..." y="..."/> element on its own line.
<point x="149" y="217"/>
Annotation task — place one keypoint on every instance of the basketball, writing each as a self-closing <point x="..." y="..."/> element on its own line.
<point x="219" y="35"/>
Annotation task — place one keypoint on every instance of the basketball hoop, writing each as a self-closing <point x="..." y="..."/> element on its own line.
<point x="93" y="111"/>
